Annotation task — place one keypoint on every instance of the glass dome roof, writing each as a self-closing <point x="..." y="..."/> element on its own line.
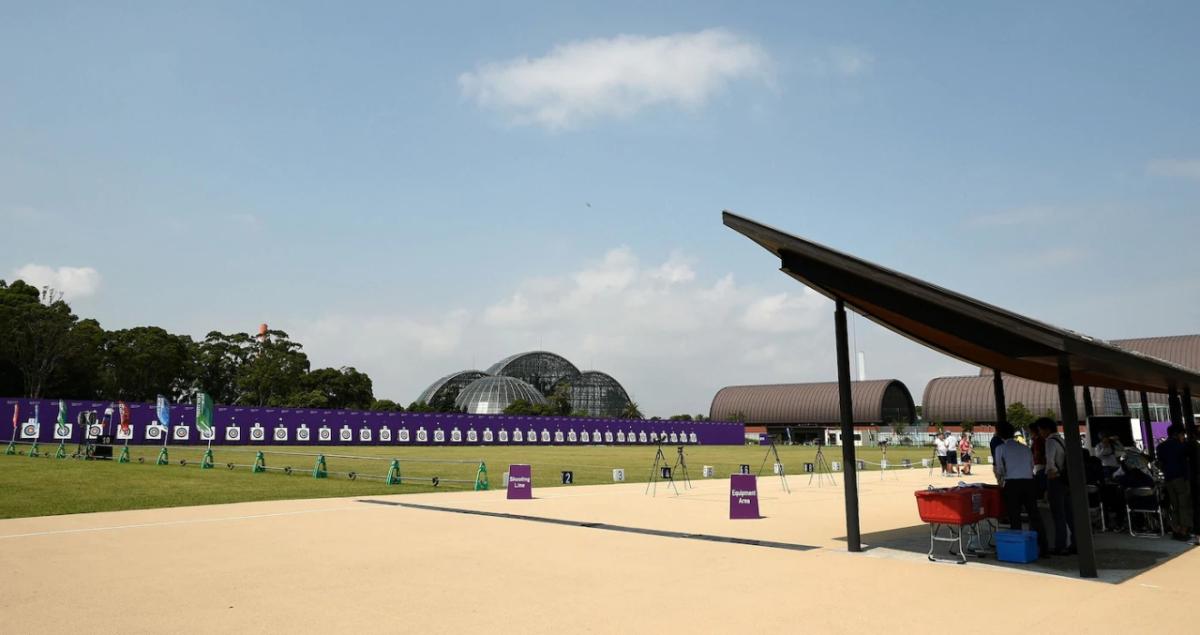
<point x="450" y="385"/>
<point x="491" y="395"/>
<point x="541" y="369"/>
<point x="597" y="394"/>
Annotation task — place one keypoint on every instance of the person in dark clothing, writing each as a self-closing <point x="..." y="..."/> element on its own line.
<point x="1004" y="430"/>
<point x="1014" y="472"/>
<point x="1057" y="492"/>
<point x="1173" y="461"/>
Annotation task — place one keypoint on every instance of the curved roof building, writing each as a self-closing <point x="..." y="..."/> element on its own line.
<point x="491" y="395"/>
<point x="451" y="384"/>
<point x="957" y="399"/>
<point x="541" y="369"/>
<point x="875" y="402"/>
<point x="597" y="394"/>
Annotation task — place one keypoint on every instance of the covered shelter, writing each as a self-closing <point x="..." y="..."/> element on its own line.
<point x="977" y="333"/>
<point x="807" y="408"/>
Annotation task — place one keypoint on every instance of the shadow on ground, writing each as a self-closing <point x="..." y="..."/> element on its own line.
<point x="1118" y="556"/>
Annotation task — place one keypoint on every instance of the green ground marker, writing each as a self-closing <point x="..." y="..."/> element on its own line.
<point x="162" y="457"/>
<point x="319" y="470"/>
<point x="206" y="461"/>
<point x="260" y="463"/>
<point x="61" y="452"/>
<point x="12" y="447"/>
<point x="124" y="458"/>
<point x="481" y="478"/>
<point x="33" y="450"/>
<point x="393" y="477"/>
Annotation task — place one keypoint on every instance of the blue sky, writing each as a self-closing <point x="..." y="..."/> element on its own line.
<point x="416" y="189"/>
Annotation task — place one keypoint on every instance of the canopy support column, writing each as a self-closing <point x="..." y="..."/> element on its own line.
<point x="849" y="464"/>
<point x="1089" y="410"/>
<point x="998" y="393"/>
<point x="1189" y="425"/>
<point x="1147" y="429"/>
<point x="1079" y="501"/>
<point x="1124" y="399"/>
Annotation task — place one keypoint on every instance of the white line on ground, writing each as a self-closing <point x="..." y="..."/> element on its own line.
<point x="189" y="521"/>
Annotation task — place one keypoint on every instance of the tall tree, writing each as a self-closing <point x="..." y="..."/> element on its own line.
<point x="631" y="411"/>
<point x="275" y="367"/>
<point x="139" y="363"/>
<point x="341" y="387"/>
<point x="36" y="328"/>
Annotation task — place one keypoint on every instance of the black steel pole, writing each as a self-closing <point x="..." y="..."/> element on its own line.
<point x="1147" y="429"/>
<point x="1173" y="407"/>
<point x="1079" y="501"/>
<point x="1089" y="410"/>
<point x="1124" y="399"/>
<point x="1189" y="425"/>
<point x="853" y="539"/>
<point x="998" y="393"/>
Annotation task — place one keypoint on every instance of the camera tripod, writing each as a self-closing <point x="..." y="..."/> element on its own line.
<point x="661" y="469"/>
<point x="772" y="451"/>
<point x="821" y="469"/>
<point x="681" y="466"/>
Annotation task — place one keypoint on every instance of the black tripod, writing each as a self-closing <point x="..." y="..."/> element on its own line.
<point x="772" y="451"/>
<point x="660" y="469"/>
<point x="681" y="465"/>
<point x="821" y="469"/>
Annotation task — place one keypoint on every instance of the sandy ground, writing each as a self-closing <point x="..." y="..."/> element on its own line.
<point x="341" y="565"/>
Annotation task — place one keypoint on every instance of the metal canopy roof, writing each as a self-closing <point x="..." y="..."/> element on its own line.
<point x="960" y="326"/>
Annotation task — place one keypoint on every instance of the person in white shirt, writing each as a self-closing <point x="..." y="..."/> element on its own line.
<point x="1109" y="451"/>
<point x="952" y="454"/>
<point x="1014" y="473"/>
<point x="939" y="447"/>
<point x="1057" y="491"/>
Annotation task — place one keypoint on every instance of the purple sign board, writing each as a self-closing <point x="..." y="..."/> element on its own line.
<point x="254" y="425"/>
<point x="743" y="496"/>
<point x="520" y="482"/>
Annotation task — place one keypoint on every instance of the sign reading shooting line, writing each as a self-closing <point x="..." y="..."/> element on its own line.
<point x="520" y="482"/>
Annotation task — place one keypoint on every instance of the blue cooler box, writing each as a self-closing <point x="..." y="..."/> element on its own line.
<point x="1016" y="546"/>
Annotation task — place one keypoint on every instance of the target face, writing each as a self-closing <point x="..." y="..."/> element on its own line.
<point x="585" y="437"/>
<point x="422" y="435"/>
<point x="325" y="434"/>
<point x="620" y="437"/>
<point x="208" y="435"/>
<point x="281" y="433"/>
<point x="257" y="433"/>
<point x="346" y="435"/>
<point x="302" y="433"/>
<point x="545" y="436"/>
<point x="385" y="435"/>
<point x="691" y="437"/>
<point x="487" y="435"/>
<point x="608" y="437"/>
<point x="403" y="435"/>
<point x="154" y="433"/>
<point x="364" y="434"/>
<point x="642" y="437"/>
<point x="29" y="430"/>
<point x="125" y="434"/>
<point x="455" y="436"/>
<point x="472" y="436"/>
<point x="233" y="433"/>
<point x="62" y="432"/>
<point x="439" y="436"/>
<point x="182" y="433"/>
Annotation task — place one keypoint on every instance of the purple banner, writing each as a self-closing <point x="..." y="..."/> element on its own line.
<point x="743" y="496"/>
<point x="252" y="425"/>
<point x="520" y="482"/>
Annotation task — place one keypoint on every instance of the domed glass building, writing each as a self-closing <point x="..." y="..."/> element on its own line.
<point x="449" y="385"/>
<point x="491" y="395"/>
<point x="597" y="394"/>
<point x="541" y="369"/>
<point x="483" y="392"/>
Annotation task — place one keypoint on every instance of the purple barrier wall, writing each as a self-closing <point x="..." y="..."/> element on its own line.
<point x="245" y="425"/>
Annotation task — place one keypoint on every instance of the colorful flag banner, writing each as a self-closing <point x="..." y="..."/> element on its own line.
<point x="63" y="429"/>
<point x="16" y="415"/>
<point x="204" y="413"/>
<point x="108" y="415"/>
<point x="164" y="411"/>
<point x="123" y="416"/>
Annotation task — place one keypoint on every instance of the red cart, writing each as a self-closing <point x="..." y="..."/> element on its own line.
<point x="951" y="514"/>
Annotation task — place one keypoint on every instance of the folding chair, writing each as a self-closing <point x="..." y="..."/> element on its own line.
<point x="1144" y="501"/>
<point x="1096" y="505"/>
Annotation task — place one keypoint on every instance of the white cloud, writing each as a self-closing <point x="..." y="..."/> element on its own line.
<point x="1176" y="168"/>
<point x="73" y="282"/>
<point x="614" y="77"/>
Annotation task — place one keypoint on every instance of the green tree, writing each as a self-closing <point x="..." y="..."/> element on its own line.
<point x="445" y="401"/>
<point x="341" y="387"/>
<point x="1019" y="416"/>
<point x="558" y="402"/>
<point x="139" y="363"/>
<point x="419" y="406"/>
<point x="968" y="426"/>
<point x="631" y="411"/>
<point x="680" y="418"/>
<point x="386" y="405"/>
<point x="275" y="366"/>
<point x="520" y="408"/>
<point x="36" y="333"/>
<point x="216" y="362"/>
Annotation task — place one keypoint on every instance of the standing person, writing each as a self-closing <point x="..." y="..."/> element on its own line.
<point x="1014" y="473"/>
<point x="1173" y="461"/>
<point x="952" y="453"/>
<point x="964" y="453"/>
<point x="939" y="447"/>
<point x="1057" y="489"/>
<point x="1038" y="446"/>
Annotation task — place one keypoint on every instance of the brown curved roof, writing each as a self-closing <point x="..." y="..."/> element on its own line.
<point x="970" y="398"/>
<point x="803" y="403"/>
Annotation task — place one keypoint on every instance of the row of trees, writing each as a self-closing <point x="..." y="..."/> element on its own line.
<point x="47" y="351"/>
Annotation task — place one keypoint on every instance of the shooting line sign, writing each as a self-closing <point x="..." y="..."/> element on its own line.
<point x="520" y="482"/>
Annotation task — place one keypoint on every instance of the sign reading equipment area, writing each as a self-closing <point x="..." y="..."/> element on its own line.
<point x="743" y="496"/>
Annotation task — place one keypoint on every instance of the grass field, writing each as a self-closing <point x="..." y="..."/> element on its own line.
<point x="47" y="486"/>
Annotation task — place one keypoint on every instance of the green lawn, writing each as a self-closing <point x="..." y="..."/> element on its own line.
<point x="45" y="486"/>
